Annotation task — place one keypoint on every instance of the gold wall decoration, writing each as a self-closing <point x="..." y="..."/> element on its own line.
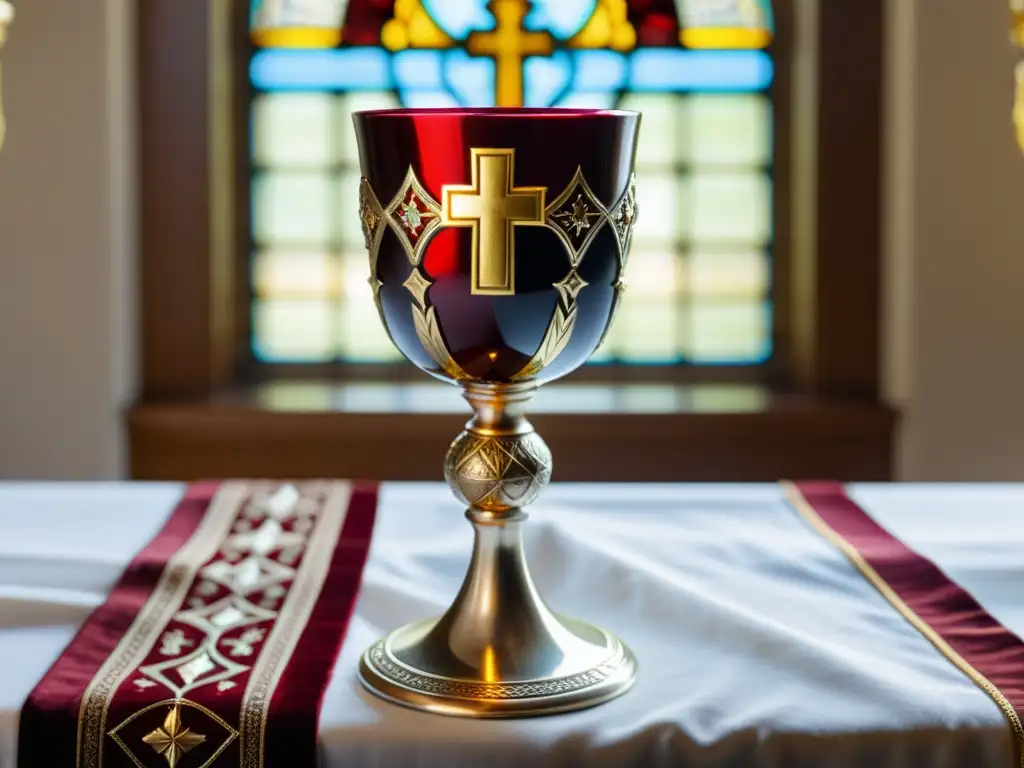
<point x="6" y="17"/>
<point x="1017" y="36"/>
<point x="1018" y="107"/>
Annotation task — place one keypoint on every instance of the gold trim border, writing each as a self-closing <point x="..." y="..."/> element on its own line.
<point x="804" y="508"/>
<point x="292" y="620"/>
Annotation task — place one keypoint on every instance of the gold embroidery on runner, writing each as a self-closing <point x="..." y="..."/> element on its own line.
<point x="293" y="618"/>
<point x="243" y="524"/>
<point x="145" y="630"/>
<point x="807" y="511"/>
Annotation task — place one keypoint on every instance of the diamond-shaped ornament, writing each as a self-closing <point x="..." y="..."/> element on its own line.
<point x="414" y="216"/>
<point x="227" y="613"/>
<point x="570" y="287"/>
<point x="623" y="218"/>
<point x="204" y="666"/>
<point x="371" y="213"/>
<point x="252" y="574"/>
<point x="577" y="216"/>
<point x="418" y="285"/>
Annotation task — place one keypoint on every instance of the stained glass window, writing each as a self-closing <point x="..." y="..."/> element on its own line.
<point x="699" y="274"/>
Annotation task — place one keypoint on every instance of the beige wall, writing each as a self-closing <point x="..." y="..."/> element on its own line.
<point x="955" y="325"/>
<point x="955" y="305"/>
<point x="65" y="307"/>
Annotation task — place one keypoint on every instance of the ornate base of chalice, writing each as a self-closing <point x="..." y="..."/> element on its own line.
<point x="464" y="286"/>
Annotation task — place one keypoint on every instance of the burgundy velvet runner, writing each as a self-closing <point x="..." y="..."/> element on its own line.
<point x="219" y="639"/>
<point x="968" y="635"/>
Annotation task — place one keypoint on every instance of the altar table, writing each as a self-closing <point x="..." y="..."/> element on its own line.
<point x="759" y="643"/>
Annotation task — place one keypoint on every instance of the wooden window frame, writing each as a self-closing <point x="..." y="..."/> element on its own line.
<point x="199" y="412"/>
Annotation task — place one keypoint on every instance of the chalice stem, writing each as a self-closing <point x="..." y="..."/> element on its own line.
<point x="498" y="627"/>
<point x="498" y="651"/>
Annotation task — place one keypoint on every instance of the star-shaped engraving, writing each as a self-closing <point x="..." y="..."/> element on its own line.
<point x="578" y="218"/>
<point x="173" y="740"/>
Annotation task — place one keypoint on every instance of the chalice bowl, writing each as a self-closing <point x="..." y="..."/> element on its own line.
<point x="497" y="242"/>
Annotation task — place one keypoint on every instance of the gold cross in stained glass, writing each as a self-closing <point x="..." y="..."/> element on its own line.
<point x="492" y="206"/>
<point x="508" y="43"/>
<point x="172" y="740"/>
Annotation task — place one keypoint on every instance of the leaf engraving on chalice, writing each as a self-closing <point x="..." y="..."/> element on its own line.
<point x="428" y="331"/>
<point x="559" y="330"/>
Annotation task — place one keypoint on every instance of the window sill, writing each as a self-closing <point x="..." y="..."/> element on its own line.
<point x="631" y="432"/>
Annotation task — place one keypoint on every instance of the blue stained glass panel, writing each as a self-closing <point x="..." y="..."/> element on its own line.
<point x="349" y="69"/>
<point x="470" y="79"/>
<point x="587" y="101"/>
<point x="459" y="17"/>
<point x="671" y="70"/>
<point x="419" y="69"/>
<point x="562" y="18"/>
<point x="429" y="99"/>
<point x="545" y="78"/>
<point x="600" y="71"/>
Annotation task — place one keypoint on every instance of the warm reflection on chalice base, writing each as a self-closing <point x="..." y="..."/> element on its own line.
<point x="497" y="241"/>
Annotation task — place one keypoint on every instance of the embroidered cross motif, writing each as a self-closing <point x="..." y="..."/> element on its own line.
<point x="173" y="642"/>
<point x="245" y="644"/>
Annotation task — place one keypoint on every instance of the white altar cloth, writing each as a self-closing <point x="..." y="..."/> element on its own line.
<point x="759" y="645"/>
